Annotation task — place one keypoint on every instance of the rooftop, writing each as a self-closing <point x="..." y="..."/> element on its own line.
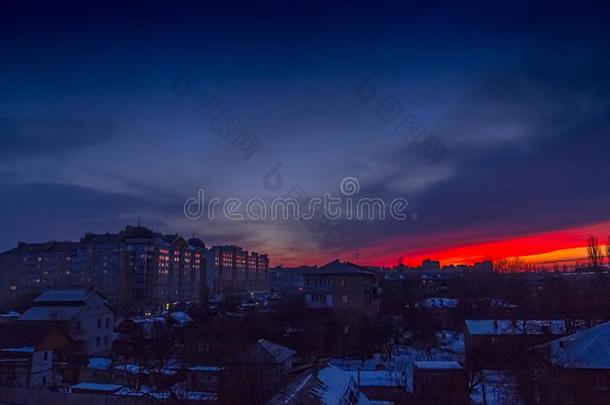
<point x="334" y="385"/>
<point x="63" y="296"/>
<point x="50" y="313"/>
<point x="265" y="351"/>
<point x="438" y="302"/>
<point x="97" y="387"/>
<point x="337" y="267"/>
<point x="515" y="327"/>
<point x="589" y="349"/>
<point x="438" y="365"/>
<point x="34" y="335"/>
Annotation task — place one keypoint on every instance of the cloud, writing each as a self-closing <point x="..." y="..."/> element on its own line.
<point x="35" y="136"/>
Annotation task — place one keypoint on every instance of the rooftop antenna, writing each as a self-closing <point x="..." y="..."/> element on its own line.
<point x="138" y="221"/>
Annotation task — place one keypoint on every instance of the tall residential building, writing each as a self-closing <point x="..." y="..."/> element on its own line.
<point x="136" y="269"/>
<point x="232" y="270"/>
<point x="32" y="267"/>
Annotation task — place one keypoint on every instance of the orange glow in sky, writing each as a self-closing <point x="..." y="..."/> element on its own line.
<point x="561" y="246"/>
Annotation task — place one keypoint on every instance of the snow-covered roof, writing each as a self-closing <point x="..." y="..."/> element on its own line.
<point x="10" y="314"/>
<point x="333" y="385"/>
<point x="22" y="349"/>
<point x="168" y="369"/>
<point x="279" y="353"/>
<point x="514" y="327"/>
<point x="205" y="368"/>
<point x="292" y="392"/>
<point x="589" y="349"/>
<point x="131" y="368"/>
<point x="377" y="378"/>
<point x="99" y="363"/>
<point x="177" y="390"/>
<point x="433" y="303"/>
<point x="63" y="296"/>
<point x="181" y="318"/>
<point x="97" y="387"/>
<point x="438" y="365"/>
<point x="50" y="313"/>
<point x="264" y="351"/>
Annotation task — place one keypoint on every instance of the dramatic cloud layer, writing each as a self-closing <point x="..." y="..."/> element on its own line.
<point x="103" y="120"/>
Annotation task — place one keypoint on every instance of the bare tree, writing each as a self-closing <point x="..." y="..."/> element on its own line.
<point x="594" y="252"/>
<point x="510" y="265"/>
<point x="608" y="249"/>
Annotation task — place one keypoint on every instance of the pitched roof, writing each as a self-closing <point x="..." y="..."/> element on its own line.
<point x="50" y="313"/>
<point x="334" y="386"/>
<point x="267" y="352"/>
<point x="63" y="296"/>
<point x="438" y="302"/>
<point x="337" y="267"/>
<point x="589" y="349"/>
<point x="35" y="335"/>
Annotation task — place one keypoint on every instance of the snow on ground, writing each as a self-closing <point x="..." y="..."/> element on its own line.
<point x="499" y="387"/>
<point x="397" y="369"/>
<point x="99" y="363"/>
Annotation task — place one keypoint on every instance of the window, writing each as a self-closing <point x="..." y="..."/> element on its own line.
<point x="600" y="382"/>
<point x="106" y="340"/>
<point x="344" y="298"/>
<point x="46" y="356"/>
<point x="107" y="322"/>
<point x="318" y="298"/>
<point x="78" y="326"/>
<point x="97" y="341"/>
<point x="99" y="323"/>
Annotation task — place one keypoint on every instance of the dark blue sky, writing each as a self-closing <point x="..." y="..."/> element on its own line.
<point x="93" y="136"/>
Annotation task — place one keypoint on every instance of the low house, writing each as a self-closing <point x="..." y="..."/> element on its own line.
<point x="26" y="354"/>
<point x="96" y="388"/>
<point x="329" y="385"/>
<point x="270" y="356"/>
<point x="262" y="369"/>
<point x="204" y="377"/>
<point x="439" y="311"/>
<point x="84" y="315"/>
<point x="578" y="367"/>
<point x="97" y="369"/>
<point x="440" y="382"/>
<point x="335" y="386"/>
<point x="504" y="344"/>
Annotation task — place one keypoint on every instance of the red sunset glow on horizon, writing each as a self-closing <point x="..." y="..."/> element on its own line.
<point x="564" y="246"/>
<point x="561" y="246"/>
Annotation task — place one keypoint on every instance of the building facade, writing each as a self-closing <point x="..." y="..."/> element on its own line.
<point x="138" y="270"/>
<point x="343" y="288"/>
<point x="33" y="267"/>
<point x="232" y="270"/>
<point x="84" y="315"/>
